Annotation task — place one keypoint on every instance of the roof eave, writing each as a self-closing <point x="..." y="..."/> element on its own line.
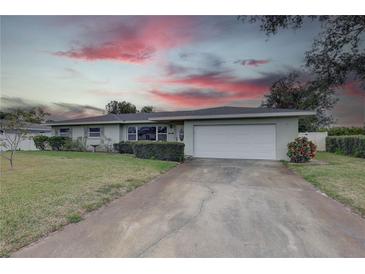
<point x="228" y="116"/>
<point x="96" y="123"/>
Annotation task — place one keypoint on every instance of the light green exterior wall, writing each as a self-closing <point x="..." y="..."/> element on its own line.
<point x="286" y="131"/>
<point x="110" y="135"/>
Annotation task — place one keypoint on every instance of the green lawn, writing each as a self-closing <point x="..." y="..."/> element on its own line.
<point x="47" y="190"/>
<point x="342" y="178"/>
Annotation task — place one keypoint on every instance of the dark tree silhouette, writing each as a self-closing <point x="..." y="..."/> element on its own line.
<point x="147" y="109"/>
<point x="337" y="53"/>
<point x="115" y="107"/>
<point x="290" y="92"/>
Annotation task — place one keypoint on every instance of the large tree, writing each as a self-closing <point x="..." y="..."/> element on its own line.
<point x="290" y="92"/>
<point x="337" y="53"/>
<point x="115" y="107"/>
<point x="14" y="127"/>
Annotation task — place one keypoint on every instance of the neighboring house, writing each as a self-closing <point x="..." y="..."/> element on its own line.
<point x="27" y="142"/>
<point x="223" y="132"/>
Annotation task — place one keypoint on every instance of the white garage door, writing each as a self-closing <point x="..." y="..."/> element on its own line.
<point x="235" y="141"/>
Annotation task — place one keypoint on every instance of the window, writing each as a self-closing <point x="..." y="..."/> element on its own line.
<point x="132" y="136"/>
<point x="162" y="133"/>
<point x="94" y="132"/>
<point x="65" y="132"/>
<point x="181" y="134"/>
<point x="147" y="133"/>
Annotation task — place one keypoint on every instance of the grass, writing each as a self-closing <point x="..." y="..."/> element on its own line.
<point x="342" y="178"/>
<point x="47" y="190"/>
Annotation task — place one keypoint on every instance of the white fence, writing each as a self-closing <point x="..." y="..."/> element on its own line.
<point x="318" y="138"/>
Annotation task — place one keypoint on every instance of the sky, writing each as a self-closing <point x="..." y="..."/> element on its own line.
<point x="74" y="65"/>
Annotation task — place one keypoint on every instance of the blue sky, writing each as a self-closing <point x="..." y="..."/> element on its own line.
<point x="74" y="65"/>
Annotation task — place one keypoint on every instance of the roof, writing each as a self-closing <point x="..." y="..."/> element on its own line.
<point x="33" y="126"/>
<point x="207" y="113"/>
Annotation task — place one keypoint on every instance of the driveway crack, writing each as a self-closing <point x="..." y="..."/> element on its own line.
<point x="178" y="229"/>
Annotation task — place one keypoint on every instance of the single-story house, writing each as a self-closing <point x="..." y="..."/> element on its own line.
<point x="222" y="132"/>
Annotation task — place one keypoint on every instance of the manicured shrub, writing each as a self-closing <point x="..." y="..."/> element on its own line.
<point x="168" y="151"/>
<point x="341" y="131"/>
<point x="75" y="145"/>
<point x="301" y="150"/>
<point x="57" y="142"/>
<point x="40" y="142"/>
<point x="347" y="145"/>
<point x="124" y="147"/>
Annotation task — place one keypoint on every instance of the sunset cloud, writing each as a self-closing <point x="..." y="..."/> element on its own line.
<point x="134" y="43"/>
<point x="354" y="88"/>
<point x="252" y="62"/>
<point x="224" y="83"/>
<point x="58" y="110"/>
<point x="209" y="89"/>
<point x="191" y="98"/>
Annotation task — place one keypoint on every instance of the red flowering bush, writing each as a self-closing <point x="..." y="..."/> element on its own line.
<point x="301" y="150"/>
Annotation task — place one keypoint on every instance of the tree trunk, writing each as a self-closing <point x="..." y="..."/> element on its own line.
<point x="11" y="159"/>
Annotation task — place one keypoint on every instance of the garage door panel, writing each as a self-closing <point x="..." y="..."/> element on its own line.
<point x="235" y="141"/>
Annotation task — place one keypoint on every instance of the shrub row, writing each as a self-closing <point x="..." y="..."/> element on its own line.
<point x="124" y="147"/>
<point x="341" y="131"/>
<point x="348" y="145"/>
<point x="59" y="143"/>
<point x="167" y="151"/>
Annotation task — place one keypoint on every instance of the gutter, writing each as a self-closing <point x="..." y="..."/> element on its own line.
<point x="98" y="123"/>
<point x="227" y="116"/>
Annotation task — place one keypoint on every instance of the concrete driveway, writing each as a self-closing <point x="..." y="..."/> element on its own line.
<point x="214" y="208"/>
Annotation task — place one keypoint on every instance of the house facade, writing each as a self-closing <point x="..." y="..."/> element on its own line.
<point x="225" y="132"/>
<point x="26" y="143"/>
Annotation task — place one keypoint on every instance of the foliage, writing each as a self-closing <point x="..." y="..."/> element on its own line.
<point x="75" y="145"/>
<point x="74" y="218"/>
<point x="115" y="107"/>
<point x="290" y="92"/>
<point x="124" y="147"/>
<point x="147" y="109"/>
<point x="41" y="142"/>
<point x="337" y="54"/>
<point x="301" y="150"/>
<point x="14" y="128"/>
<point x="339" y="131"/>
<point x="347" y="145"/>
<point x="167" y="151"/>
<point x="58" y="142"/>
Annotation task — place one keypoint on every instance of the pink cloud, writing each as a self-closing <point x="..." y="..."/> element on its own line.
<point x="354" y="88"/>
<point x="135" y="44"/>
<point x="210" y="89"/>
<point x="193" y="98"/>
<point x="252" y="62"/>
<point x="222" y="83"/>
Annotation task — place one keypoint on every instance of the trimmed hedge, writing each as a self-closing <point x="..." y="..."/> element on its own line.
<point x="57" y="142"/>
<point x="341" y="131"/>
<point x="348" y="145"/>
<point x="41" y="142"/>
<point x="167" y="151"/>
<point x="124" y="147"/>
